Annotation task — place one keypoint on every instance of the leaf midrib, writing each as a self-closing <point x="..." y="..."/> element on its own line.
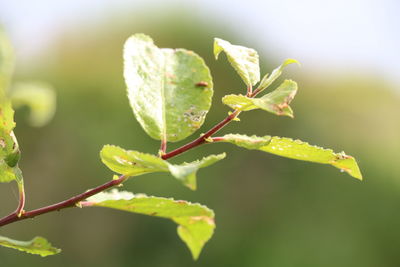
<point x="163" y="98"/>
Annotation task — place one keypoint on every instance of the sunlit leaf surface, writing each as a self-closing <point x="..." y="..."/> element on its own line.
<point x="195" y="222"/>
<point x="133" y="163"/>
<point x="276" y="102"/>
<point x="244" y="60"/>
<point x="170" y="90"/>
<point x="296" y="149"/>
<point x="9" y="150"/>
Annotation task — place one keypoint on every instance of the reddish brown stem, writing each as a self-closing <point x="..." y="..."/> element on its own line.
<point x="20" y="215"/>
<point x="255" y="92"/>
<point x="249" y="91"/>
<point x="13" y="217"/>
<point x="21" y="202"/>
<point x="216" y="139"/>
<point x="71" y="202"/>
<point x="20" y="209"/>
<point x="201" y="139"/>
<point x="163" y="147"/>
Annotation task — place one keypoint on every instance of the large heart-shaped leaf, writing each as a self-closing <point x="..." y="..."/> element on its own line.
<point x="196" y="222"/>
<point x="133" y="163"/>
<point x="295" y="149"/>
<point x="170" y="90"/>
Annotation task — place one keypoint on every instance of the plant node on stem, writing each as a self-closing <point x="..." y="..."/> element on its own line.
<point x="71" y="202"/>
<point x="20" y="214"/>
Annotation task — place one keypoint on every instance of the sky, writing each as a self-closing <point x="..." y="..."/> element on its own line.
<point x="341" y="34"/>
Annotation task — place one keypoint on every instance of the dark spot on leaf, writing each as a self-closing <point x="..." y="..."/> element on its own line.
<point x="202" y="84"/>
<point x="342" y="155"/>
<point x="2" y="143"/>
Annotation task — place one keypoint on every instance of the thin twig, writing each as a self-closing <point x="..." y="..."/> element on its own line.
<point x="20" y="214"/>
<point x="163" y="146"/>
<point x="217" y="139"/>
<point x="202" y="138"/>
<point x="20" y="209"/>
<point x="255" y="92"/>
<point x="249" y="90"/>
<point x="71" y="202"/>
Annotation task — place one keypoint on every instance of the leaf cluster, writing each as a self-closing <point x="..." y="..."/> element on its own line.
<point x="170" y="92"/>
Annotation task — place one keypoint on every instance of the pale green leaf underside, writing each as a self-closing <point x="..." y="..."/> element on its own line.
<point x="7" y="125"/>
<point x="267" y="80"/>
<point x="130" y="162"/>
<point x="170" y="90"/>
<point x="133" y="163"/>
<point x="39" y="97"/>
<point x="296" y="149"/>
<point x="276" y="102"/>
<point x="196" y="222"/>
<point x="186" y="172"/>
<point x="9" y="151"/>
<point x="244" y="60"/>
<point x="38" y="245"/>
<point x="8" y="174"/>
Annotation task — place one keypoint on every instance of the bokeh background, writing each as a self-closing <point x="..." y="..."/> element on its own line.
<point x="270" y="211"/>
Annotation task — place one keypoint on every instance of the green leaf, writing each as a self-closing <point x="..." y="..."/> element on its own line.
<point x="38" y="245"/>
<point x="170" y="90"/>
<point x="249" y="142"/>
<point x="9" y="150"/>
<point x="39" y="97"/>
<point x="244" y="60"/>
<point x="8" y="174"/>
<point x="296" y="149"/>
<point x="130" y="162"/>
<point x="276" y="102"/>
<point x="134" y="163"/>
<point x="268" y="80"/>
<point x="7" y="124"/>
<point x="196" y="222"/>
<point x="186" y="172"/>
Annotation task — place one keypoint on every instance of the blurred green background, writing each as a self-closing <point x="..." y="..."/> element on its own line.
<point x="270" y="211"/>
